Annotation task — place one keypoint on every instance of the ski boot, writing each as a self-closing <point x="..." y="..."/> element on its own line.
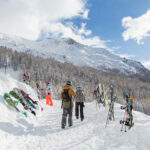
<point x="82" y="119"/>
<point x="77" y="117"/>
<point x="70" y="125"/>
<point x="62" y="126"/>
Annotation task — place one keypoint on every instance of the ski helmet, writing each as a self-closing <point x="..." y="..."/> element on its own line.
<point x="68" y="82"/>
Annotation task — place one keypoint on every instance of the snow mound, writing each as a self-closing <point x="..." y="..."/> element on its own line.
<point x="9" y="117"/>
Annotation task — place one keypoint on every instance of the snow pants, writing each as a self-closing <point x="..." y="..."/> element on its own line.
<point x="67" y="112"/>
<point x="81" y="105"/>
<point x="49" y="100"/>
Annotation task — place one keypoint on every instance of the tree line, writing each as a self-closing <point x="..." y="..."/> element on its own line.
<point x="42" y="69"/>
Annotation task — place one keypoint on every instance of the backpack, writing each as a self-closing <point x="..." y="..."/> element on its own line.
<point x="80" y="95"/>
<point x="65" y="96"/>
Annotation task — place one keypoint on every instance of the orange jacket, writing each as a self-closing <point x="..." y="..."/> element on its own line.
<point x="131" y="98"/>
<point x="70" y="91"/>
<point x="68" y="104"/>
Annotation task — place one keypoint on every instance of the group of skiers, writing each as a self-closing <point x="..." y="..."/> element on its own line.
<point x="66" y="95"/>
<point x="67" y="103"/>
<point x="47" y="90"/>
<point x="99" y="94"/>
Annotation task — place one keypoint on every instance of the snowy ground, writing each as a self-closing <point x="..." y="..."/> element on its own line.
<point x="44" y="131"/>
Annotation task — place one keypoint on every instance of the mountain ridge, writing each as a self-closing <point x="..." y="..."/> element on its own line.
<point x="67" y="49"/>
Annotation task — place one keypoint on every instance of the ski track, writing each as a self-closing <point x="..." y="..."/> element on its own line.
<point x="44" y="132"/>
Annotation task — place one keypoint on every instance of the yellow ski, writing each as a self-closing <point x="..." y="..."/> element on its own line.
<point x="106" y="97"/>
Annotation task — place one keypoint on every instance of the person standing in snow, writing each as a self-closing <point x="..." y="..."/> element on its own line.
<point x="67" y="104"/>
<point x="48" y="94"/>
<point x="26" y="78"/>
<point x="79" y="103"/>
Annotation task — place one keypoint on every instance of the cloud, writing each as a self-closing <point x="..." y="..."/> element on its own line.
<point x="33" y="18"/>
<point x="27" y="18"/>
<point x="147" y="64"/>
<point x="83" y="30"/>
<point x="137" y="28"/>
<point x="81" y="35"/>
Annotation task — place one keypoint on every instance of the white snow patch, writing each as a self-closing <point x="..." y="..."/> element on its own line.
<point x="44" y="132"/>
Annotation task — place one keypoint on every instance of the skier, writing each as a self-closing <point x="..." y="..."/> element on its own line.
<point x="26" y="78"/>
<point x="48" y="94"/>
<point x="79" y="103"/>
<point x="67" y="104"/>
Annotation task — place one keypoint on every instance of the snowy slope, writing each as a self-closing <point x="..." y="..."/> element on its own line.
<point x="43" y="132"/>
<point x="7" y="83"/>
<point x="69" y="50"/>
<point x="147" y="65"/>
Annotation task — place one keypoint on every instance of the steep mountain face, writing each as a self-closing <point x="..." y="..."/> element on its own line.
<point x="67" y="49"/>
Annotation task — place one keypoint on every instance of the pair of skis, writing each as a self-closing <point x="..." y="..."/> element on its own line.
<point x="100" y="101"/>
<point x="110" y="115"/>
<point x="12" y="103"/>
<point x="126" y="123"/>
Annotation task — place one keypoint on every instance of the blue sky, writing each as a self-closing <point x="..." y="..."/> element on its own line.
<point x="105" y="20"/>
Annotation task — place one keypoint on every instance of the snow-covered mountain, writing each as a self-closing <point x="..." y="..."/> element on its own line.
<point x="44" y="132"/>
<point x="147" y="64"/>
<point x="67" y="49"/>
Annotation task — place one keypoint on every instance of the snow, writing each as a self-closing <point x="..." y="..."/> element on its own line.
<point x="78" y="54"/>
<point x="147" y="64"/>
<point x="44" y="132"/>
